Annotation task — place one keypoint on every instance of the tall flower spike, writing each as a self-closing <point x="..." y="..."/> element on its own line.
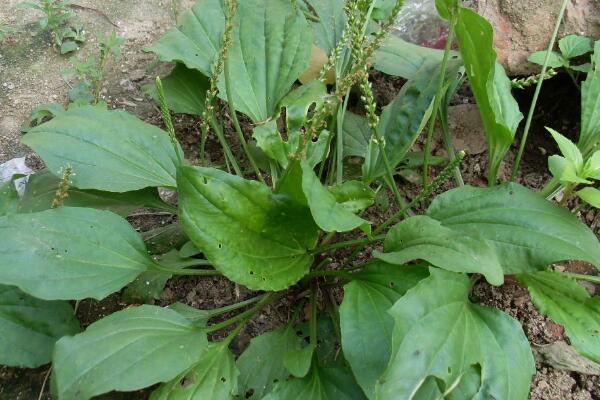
<point x="63" y="187"/>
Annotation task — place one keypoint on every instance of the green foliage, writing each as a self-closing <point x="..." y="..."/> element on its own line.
<point x="571" y="47"/>
<point x="292" y="225"/>
<point x="499" y="110"/>
<point x="57" y="14"/>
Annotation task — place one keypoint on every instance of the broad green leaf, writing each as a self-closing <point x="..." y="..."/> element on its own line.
<point x="270" y="141"/>
<point x="254" y="237"/>
<point x="128" y="350"/>
<point x="527" y="231"/>
<point x="555" y="60"/>
<point x="499" y="110"/>
<point x="280" y="34"/>
<point x="439" y="333"/>
<point x="586" y="68"/>
<point x="185" y="90"/>
<point x="9" y="198"/>
<point x="108" y="150"/>
<point x="568" y="149"/>
<point x="403" y="120"/>
<point x="564" y="169"/>
<point x="424" y="238"/>
<point x="70" y="253"/>
<point x="163" y="239"/>
<point x="590" y="106"/>
<point x="590" y="195"/>
<point x="299" y="101"/>
<point x="328" y="214"/>
<point x="189" y="249"/>
<point x="366" y="326"/>
<point x="332" y="21"/>
<point x="566" y="302"/>
<point x="29" y="327"/>
<point x="146" y="287"/>
<point x="298" y="361"/>
<point x="196" y="39"/>
<point x="261" y="364"/>
<point x="400" y="58"/>
<point x="357" y="134"/>
<point x="331" y="383"/>
<point x="354" y="196"/>
<point x="41" y="190"/>
<point x="213" y="377"/>
<point x="572" y="46"/>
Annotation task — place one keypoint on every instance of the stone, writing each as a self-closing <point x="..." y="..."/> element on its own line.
<point x="525" y="26"/>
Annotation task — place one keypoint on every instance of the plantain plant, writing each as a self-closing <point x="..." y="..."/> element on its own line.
<point x="276" y="216"/>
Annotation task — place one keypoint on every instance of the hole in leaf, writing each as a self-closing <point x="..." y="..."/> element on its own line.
<point x="449" y="370"/>
<point x="223" y="379"/>
<point x="275" y="380"/>
<point x="249" y="393"/>
<point x="251" y="272"/>
<point x="392" y="284"/>
<point x="220" y="245"/>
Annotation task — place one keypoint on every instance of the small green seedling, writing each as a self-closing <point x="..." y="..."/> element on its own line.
<point x="57" y="14"/>
<point x="573" y="171"/>
<point x="5" y="30"/>
<point x="571" y="47"/>
<point x="91" y="72"/>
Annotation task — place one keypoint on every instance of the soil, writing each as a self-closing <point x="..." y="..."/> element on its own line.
<point x="31" y="73"/>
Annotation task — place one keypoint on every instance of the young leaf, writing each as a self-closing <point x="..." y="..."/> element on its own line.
<point x="70" y="253"/>
<point x="299" y="101"/>
<point x="41" y="190"/>
<point x="572" y="46"/>
<point x="555" y="60"/>
<point x="328" y="214"/>
<point x="400" y="58"/>
<point x="403" y="120"/>
<point x="568" y="149"/>
<point x="196" y="39"/>
<point x="564" y="169"/>
<point x="128" y="350"/>
<point x="590" y="109"/>
<point x="261" y="364"/>
<point x="499" y="110"/>
<point x="185" y="90"/>
<point x="590" y="195"/>
<point x="213" y="377"/>
<point x="330" y="26"/>
<point x="527" y="232"/>
<point x="298" y="361"/>
<point x="108" y="150"/>
<point x="254" y="237"/>
<point x="566" y="302"/>
<point x="281" y="35"/>
<point x="424" y="238"/>
<point x="366" y="326"/>
<point x="196" y="316"/>
<point x="592" y="166"/>
<point x="357" y="134"/>
<point x="331" y="383"/>
<point x="9" y="198"/>
<point x="29" y="327"/>
<point x="354" y="196"/>
<point x="438" y="333"/>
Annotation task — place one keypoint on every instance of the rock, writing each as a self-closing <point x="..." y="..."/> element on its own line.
<point x="525" y="26"/>
<point x="560" y="355"/>
<point x="466" y="128"/>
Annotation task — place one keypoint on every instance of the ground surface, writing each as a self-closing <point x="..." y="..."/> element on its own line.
<point x="31" y="73"/>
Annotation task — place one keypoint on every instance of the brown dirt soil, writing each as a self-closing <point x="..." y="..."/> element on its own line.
<point x="31" y="70"/>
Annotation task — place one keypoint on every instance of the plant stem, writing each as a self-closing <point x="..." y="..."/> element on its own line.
<point x="186" y="263"/>
<point x="567" y="194"/>
<point x="347" y="243"/>
<point x="313" y="314"/>
<point x="329" y="272"/>
<point x="233" y="307"/>
<point x="538" y="88"/>
<point x="570" y="73"/>
<point x="267" y="299"/>
<point x="236" y="122"/>
<point x="438" y="98"/>
<point x="582" y="277"/>
<point x="226" y="149"/>
<point x="178" y="271"/>
<point x="339" y="171"/>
